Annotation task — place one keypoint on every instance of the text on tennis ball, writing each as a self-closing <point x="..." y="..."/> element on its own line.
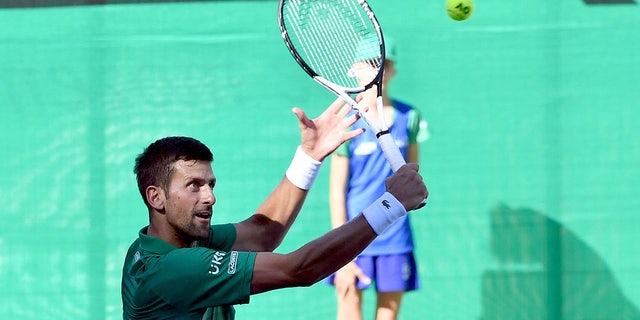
<point x="459" y="9"/>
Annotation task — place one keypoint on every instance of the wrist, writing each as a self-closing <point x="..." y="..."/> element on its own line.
<point x="303" y="170"/>
<point x="383" y="212"/>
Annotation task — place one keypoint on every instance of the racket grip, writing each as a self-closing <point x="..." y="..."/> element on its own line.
<point x="391" y="151"/>
<point x="395" y="158"/>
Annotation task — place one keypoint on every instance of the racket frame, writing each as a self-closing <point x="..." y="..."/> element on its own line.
<point x="388" y="146"/>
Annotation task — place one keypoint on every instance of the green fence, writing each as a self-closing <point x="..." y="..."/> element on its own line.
<point x="533" y="164"/>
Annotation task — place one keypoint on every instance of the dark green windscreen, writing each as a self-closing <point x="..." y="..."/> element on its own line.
<point x="533" y="163"/>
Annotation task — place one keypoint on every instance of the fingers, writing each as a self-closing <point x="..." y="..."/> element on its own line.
<point x="408" y="186"/>
<point x="353" y="133"/>
<point x="363" y="106"/>
<point x="347" y="278"/>
<point x="349" y="121"/>
<point x="336" y="115"/>
<point x="336" y="106"/>
<point x="410" y="166"/>
<point x="343" y="111"/>
<point x="322" y="135"/>
<point x="337" y="109"/>
<point x="302" y="117"/>
<point x="363" y="277"/>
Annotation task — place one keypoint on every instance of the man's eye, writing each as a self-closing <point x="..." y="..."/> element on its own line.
<point x="193" y="186"/>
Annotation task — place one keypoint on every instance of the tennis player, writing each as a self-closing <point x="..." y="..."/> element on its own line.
<point x="357" y="177"/>
<point x="183" y="267"/>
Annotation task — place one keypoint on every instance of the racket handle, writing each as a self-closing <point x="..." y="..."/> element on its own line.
<point x="395" y="158"/>
<point x="391" y="151"/>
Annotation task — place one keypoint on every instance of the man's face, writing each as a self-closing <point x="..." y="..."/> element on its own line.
<point x="190" y="198"/>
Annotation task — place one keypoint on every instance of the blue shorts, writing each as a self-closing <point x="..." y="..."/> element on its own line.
<point x="390" y="273"/>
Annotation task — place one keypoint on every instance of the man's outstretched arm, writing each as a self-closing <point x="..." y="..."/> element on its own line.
<point x="265" y="229"/>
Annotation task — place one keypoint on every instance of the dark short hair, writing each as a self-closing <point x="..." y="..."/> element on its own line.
<point x="155" y="165"/>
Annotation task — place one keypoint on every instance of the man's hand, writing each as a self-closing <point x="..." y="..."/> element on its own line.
<point x="324" y="134"/>
<point x="407" y="186"/>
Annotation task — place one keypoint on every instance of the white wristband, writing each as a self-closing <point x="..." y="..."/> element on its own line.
<point x="383" y="212"/>
<point x="303" y="170"/>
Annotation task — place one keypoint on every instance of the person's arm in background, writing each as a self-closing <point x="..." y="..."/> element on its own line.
<point x="413" y="153"/>
<point x="345" y="280"/>
<point x="418" y="132"/>
<point x="264" y="230"/>
<point x="338" y="177"/>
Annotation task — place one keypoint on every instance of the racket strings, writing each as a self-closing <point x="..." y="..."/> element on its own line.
<point x="332" y="35"/>
<point x="305" y="23"/>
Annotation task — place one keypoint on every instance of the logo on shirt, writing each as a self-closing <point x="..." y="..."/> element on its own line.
<point x="216" y="262"/>
<point x="233" y="261"/>
<point x="369" y="147"/>
<point x="365" y="148"/>
<point x="401" y="143"/>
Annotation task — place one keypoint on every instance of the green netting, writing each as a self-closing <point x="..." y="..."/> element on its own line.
<point x="532" y="163"/>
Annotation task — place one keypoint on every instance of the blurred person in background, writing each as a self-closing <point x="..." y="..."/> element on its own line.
<point x="358" y="172"/>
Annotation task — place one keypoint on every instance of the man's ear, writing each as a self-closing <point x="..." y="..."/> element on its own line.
<point x="155" y="197"/>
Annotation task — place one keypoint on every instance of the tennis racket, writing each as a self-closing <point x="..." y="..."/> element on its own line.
<point x="339" y="43"/>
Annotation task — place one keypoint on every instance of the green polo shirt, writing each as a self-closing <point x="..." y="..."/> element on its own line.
<point x="160" y="281"/>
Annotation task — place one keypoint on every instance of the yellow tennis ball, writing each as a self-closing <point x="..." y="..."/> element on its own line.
<point x="459" y="9"/>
